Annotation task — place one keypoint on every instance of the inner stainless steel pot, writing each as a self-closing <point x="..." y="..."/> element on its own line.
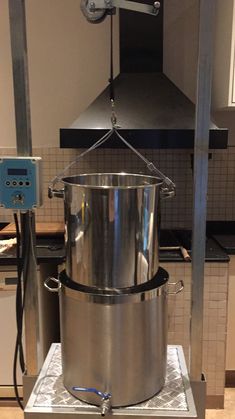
<point x="112" y="224"/>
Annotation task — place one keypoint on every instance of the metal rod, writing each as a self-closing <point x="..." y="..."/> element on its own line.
<point x="20" y="76"/>
<point x="201" y="145"/>
<point x="24" y="148"/>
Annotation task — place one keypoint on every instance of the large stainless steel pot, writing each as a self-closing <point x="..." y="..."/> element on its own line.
<point x="114" y="342"/>
<point x="112" y="224"/>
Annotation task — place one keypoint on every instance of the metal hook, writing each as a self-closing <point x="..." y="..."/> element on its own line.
<point x="113" y="114"/>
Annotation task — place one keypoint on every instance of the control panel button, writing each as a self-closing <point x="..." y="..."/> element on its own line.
<point x="18" y="198"/>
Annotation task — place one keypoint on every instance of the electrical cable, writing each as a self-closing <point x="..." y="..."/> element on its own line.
<point x="19" y="301"/>
<point x="26" y="218"/>
<point x="15" y="376"/>
<point x="19" y="304"/>
<point x="22" y="253"/>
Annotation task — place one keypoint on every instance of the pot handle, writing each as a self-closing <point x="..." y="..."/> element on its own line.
<point x="166" y="193"/>
<point x="55" y="280"/>
<point x="179" y="286"/>
<point x="58" y="193"/>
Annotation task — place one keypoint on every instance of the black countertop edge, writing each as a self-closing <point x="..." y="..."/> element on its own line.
<point x="141" y="138"/>
<point x="6" y="260"/>
<point x="12" y="261"/>
<point x="173" y="257"/>
<point x="170" y="259"/>
<point x="58" y="257"/>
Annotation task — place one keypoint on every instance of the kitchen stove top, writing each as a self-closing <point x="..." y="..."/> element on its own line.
<point x="183" y="238"/>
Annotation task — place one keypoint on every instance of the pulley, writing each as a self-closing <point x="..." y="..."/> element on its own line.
<point x="95" y="11"/>
<point x="92" y="14"/>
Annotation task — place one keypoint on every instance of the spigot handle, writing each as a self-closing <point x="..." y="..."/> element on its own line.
<point x="103" y="396"/>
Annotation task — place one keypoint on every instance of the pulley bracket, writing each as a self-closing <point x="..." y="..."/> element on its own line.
<point x="96" y="10"/>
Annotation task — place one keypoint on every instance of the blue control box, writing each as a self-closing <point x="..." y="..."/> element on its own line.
<point x="20" y="182"/>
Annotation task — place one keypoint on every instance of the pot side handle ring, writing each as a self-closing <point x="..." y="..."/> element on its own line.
<point x="179" y="286"/>
<point x="52" y="279"/>
<point x="58" y="193"/>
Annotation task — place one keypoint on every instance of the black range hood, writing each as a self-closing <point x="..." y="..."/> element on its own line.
<point x="151" y="111"/>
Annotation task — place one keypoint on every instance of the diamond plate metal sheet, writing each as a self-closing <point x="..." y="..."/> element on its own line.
<point x="172" y="396"/>
<point x="50" y="391"/>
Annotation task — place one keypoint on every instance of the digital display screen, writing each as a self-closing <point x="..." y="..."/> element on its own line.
<point x="17" y="172"/>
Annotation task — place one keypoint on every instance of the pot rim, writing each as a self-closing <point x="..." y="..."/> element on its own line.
<point x="154" y="180"/>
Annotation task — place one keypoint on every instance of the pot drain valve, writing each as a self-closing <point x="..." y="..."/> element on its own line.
<point x="105" y="404"/>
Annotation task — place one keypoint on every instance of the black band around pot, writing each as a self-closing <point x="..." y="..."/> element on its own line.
<point x="158" y="280"/>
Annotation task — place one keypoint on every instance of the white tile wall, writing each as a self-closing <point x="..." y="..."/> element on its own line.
<point x="176" y="164"/>
<point x="215" y="319"/>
